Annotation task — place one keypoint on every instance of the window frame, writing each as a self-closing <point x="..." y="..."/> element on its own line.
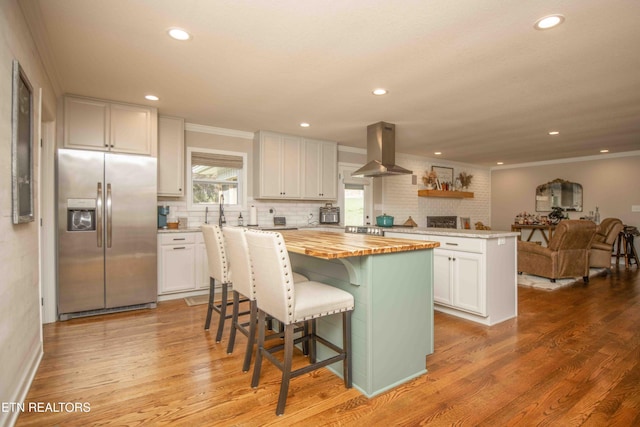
<point x="242" y="180"/>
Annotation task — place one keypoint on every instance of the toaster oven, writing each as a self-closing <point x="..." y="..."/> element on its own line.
<point x="329" y="214"/>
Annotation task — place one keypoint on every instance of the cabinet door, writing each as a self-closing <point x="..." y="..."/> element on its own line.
<point x="86" y="124"/>
<point x="320" y="170"/>
<point x="312" y="169"/>
<point x="270" y="166"/>
<point x="442" y="276"/>
<point x="177" y="268"/>
<point x="329" y="179"/>
<point x="131" y="130"/>
<point x="170" y="156"/>
<point x="468" y="286"/>
<point x="291" y="159"/>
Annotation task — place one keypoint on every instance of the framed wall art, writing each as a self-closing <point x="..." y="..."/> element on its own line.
<point x="444" y="174"/>
<point x="21" y="146"/>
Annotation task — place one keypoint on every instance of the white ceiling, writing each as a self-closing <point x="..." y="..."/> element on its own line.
<point x="469" y="78"/>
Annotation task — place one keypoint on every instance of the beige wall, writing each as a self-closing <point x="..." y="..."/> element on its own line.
<point x="20" y="322"/>
<point x="611" y="183"/>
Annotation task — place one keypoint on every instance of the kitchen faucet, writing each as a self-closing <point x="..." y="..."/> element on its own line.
<point x="221" y="219"/>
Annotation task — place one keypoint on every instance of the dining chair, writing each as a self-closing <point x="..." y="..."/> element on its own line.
<point x="292" y="304"/>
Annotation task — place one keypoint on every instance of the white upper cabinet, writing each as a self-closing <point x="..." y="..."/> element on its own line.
<point x="93" y="124"/>
<point x="291" y="167"/>
<point x="320" y="169"/>
<point x="170" y="156"/>
<point x="277" y="161"/>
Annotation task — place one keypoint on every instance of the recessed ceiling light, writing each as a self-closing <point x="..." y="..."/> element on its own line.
<point x="604" y="151"/>
<point x="380" y="91"/>
<point x="152" y="97"/>
<point x="304" y="125"/>
<point x="549" y="21"/>
<point x="179" y="34"/>
<point x="437" y="153"/>
<point x="500" y="163"/>
<point x="554" y="132"/>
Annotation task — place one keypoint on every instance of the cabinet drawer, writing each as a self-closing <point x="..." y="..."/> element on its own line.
<point x="177" y="238"/>
<point x="458" y="243"/>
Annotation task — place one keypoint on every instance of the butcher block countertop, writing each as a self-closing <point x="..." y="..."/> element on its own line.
<point x="328" y="245"/>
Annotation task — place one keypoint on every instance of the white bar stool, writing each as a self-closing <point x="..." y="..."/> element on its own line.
<point x="238" y="257"/>
<point x="218" y="271"/>
<point x="277" y="296"/>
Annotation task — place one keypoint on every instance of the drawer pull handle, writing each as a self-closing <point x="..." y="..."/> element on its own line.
<point x="451" y="244"/>
<point x="179" y="247"/>
<point x="183" y="238"/>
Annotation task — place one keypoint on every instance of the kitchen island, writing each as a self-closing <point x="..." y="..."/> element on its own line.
<point x="475" y="272"/>
<point x="392" y="284"/>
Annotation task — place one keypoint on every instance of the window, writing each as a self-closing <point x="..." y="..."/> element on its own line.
<point x="353" y="204"/>
<point x="354" y="197"/>
<point x="214" y="175"/>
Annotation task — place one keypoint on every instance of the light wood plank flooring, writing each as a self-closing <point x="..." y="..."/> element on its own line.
<point x="572" y="357"/>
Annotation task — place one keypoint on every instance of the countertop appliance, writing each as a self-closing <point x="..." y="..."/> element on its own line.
<point x="163" y="213"/>
<point x="107" y="231"/>
<point x="329" y="214"/>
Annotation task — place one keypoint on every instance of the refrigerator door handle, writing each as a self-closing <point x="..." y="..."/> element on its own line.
<point x="109" y="215"/>
<point x="99" y="215"/>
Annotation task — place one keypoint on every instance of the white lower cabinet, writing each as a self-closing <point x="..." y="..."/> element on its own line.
<point x="474" y="277"/>
<point x="182" y="263"/>
<point x="458" y="280"/>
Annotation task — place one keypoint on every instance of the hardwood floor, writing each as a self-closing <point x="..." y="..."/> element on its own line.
<point x="572" y="357"/>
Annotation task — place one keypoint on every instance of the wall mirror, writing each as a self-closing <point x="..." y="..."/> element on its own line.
<point x="559" y="194"/>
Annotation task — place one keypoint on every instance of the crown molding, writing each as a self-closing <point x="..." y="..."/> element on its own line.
<point x="570" y="160"/>
<point x="347" y="149"/>
<point x="192" y="127"/>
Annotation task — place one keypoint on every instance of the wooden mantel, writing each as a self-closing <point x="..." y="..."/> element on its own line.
<point x="449" y="194"/>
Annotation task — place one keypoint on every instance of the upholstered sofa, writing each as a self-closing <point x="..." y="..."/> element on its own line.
<point x="602" y="245"/>
<point x="567" y="254"/>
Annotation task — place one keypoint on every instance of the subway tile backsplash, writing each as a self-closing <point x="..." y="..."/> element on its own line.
<point x="295" y="212"/>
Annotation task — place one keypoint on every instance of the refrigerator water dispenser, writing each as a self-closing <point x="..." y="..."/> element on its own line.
<point x="81" y="215"/>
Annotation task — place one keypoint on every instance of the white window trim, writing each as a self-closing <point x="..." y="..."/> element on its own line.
<point x="242" y="184"/>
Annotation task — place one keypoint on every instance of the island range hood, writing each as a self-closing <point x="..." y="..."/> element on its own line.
<point x="381" y="152"/>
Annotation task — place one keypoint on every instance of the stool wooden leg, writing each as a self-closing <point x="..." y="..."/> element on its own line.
<point x="312" y="341"/>
<point x="207" y="322"/>
<point x="289" y="331"/>
<point x="223" y="312"/>
<point x="251" y="339"/>
<point x="234" y="322"/>
<point x="255" y="380"/>
<point x="347" y="364"/>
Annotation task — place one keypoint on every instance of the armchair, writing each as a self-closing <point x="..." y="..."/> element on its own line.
<point x="602" y="245"/>
<point x="567" y="254"/>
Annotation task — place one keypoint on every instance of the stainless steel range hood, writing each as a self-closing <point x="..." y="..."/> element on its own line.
<point x="381" y="152"/>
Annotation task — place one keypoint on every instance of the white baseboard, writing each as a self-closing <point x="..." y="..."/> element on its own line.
<point x="10" y="418"/>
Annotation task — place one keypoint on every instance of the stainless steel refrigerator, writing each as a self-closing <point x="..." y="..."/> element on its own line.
<point x="106" y="233"/>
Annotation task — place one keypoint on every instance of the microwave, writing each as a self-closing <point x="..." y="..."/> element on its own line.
<point x="329" y="215"/>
